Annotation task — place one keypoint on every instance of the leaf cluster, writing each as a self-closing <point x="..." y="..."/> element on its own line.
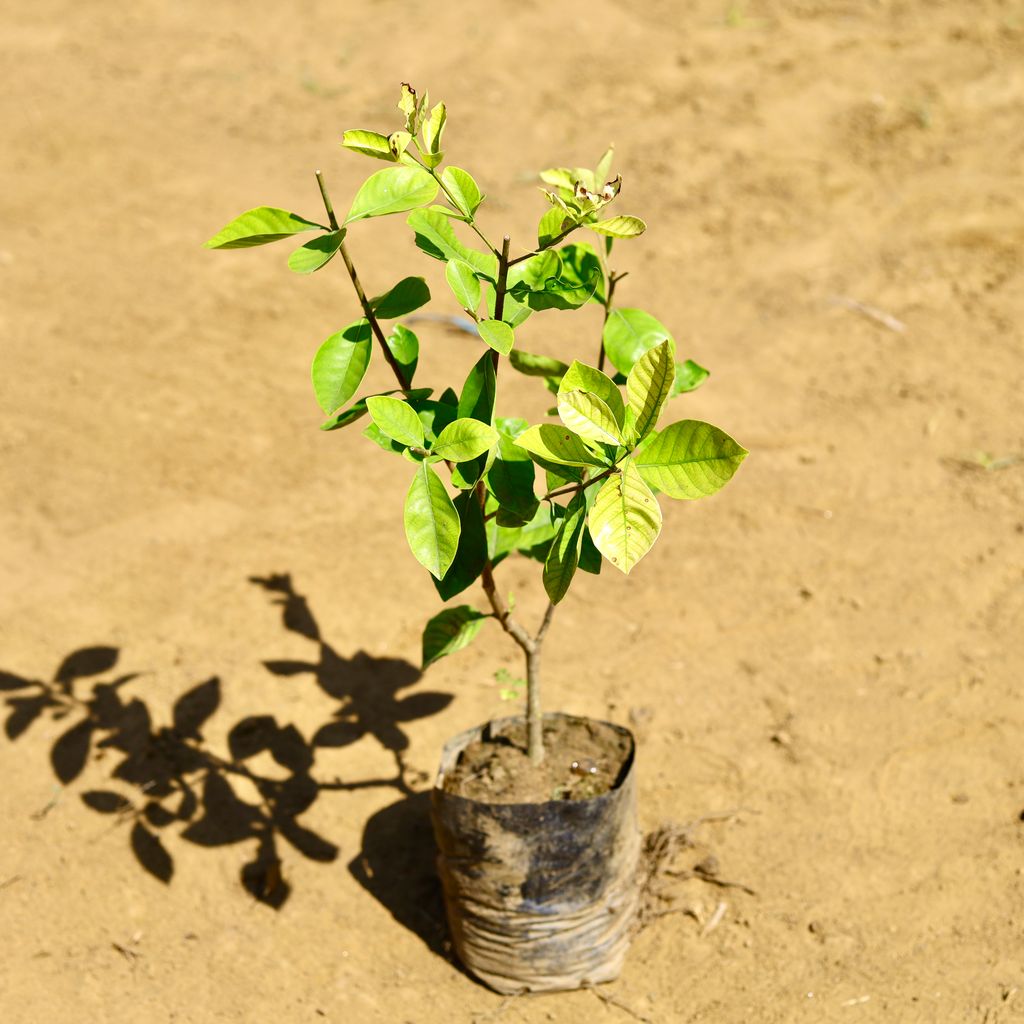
<point x="571" y="493"/>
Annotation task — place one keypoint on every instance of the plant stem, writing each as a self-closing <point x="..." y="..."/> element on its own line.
<point x="403" y="383"/>
<point x="451" y="199"/>
<point x="612" y="282"/>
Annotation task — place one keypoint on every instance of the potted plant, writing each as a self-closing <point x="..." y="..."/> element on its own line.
<point x="534" y="815"/>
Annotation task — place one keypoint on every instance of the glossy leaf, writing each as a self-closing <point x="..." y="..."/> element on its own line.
<point x="340" y="364"/>
<point x="588" y="416"/>
<point x="397" y="420"/>
<point x="432" y="525"/>
<point x="478" y="392"/>
<point x="433" y="129"/>
<point x="464" y="191"/>
<point x="316" y="253"/>
<point x="628" y="334"/>
<point x="513" y="311"/>
<point x="464" y="283"/>
<point x="449" y="631"/>
<point x="392" y="190"/>
<point x="410" y="293"/>
<point x="358" y="410"/>
<point x="689" y="377"/>
<point x="497" y="335"/>
<point x="580" y="377"/>
<point x="536" y="366"/>
<point x="559" y="445"/>
<point x="398" y="143"/>
<point x="259" y="226"/>
<point x="405" y="347"/>
<point x="471" y="553"/>
<point x="552" y="226"/>
<point x="511" y="478"/>
<point x="464" y="439"/>
<point x="582" y="269"/>
<point x="690" y="459"/>
<point x="625" y="519"/>
<point x="619" y="227"/>
<point x="436" y="237"/>
<point x="564" y="553"/>
<point x="412" y="106"/>
<point x="649" y="386"/>
<point x="369" y="144"/>
<point x="590" y="557"/>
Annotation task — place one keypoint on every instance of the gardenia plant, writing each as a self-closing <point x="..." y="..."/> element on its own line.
<point x="472" y="499"/>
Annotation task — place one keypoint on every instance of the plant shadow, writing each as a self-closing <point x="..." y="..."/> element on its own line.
<point x="397" y="867"/>
<point x="170" y="782"/>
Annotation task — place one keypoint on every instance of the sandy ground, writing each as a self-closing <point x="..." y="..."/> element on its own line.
<point x="831" y="647"/>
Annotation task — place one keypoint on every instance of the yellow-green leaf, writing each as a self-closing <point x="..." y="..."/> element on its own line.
<point x="316" y="253"/>
<point x="432" y="525"/>
<point x="449" y="631"/>
<point x="392" y="190"/>
<point x="649" y="386"/>
<point x="619" y="227"/>
<point x="556" y="444"/>
<point x="369" y="144"/>
<point x="497" y="334"/>
<point x="588" y="416"/>
<point x="564" y="554"/>
<point x="259" y="226"/>
<point x="580" y="377"/>
<point x="464" y="439"/>
<point x="690" y="459"/>
<point x="625" y="519"/>
<point x="398" y="420"/>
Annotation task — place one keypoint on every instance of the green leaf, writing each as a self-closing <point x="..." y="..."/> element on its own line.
<point x="464" y="191"/>
<point x="536" y="366"/>
<point x="260" y="226"/>
<point x="433" y="129"/>
<point x="589" y="417"/>
<point x="580" y="377"/>
<point x="436" y="237"/>
<point x="398" y="420"/>
<point x="392" y="190"/>
<point x="410" y="293"/>
<point x="464" y="284"/>
<point x="317" y="252"/>
<point x="478" y="393"/>
<point x="471" y="553"/>
<point x="564" y="553"/>
<point x="625" y="519"/>
<point x="628" y="334"/>
<point x="434" y="416"/>
<point x="432" y="525"/>
<point x="603" y="171"/>
<point x="690" y="459"/>
<point x="619" y="227"/>
<point x="556" y="444"/>
<point x="369" y="144"/>
<point x="464" y="439"/>
<point x="358" y="410"/>
<point x="412" y="107"/>
<point x="649" y="385"/>
<point x="513" y="312"/>
<point x="449" y="631"/>
<point x="590" y="557"/>
<point x="582" y="270"/>
<point x="398" y="142"/>
<point x="405" y="347"/>
<point x="560" y="177"/>
<point x="497" y="334"/>
<point x="552" y="226"/>
<point x="545" y="281"/>
<point x="339" y="365"/>
<point x="689" y="377"/>
<point x="511" y="477"/>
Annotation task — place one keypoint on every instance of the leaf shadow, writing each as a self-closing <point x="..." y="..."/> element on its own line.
<point x="169" y="784"/>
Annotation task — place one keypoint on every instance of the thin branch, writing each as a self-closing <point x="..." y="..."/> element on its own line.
<point x="403" y="383"/>
<point x="502" y="612"/>
<point x="542" y="248"/>
<point x="545" y="625"/>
